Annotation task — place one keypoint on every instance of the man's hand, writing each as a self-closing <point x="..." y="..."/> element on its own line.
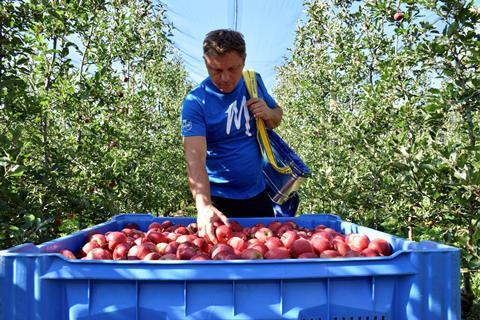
<point x="207" y="214"/>
<point x="205" y="219"/>
<point x="259" y="108"/>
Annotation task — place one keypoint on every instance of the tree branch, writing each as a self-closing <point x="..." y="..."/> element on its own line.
<point x="84" y="55"/>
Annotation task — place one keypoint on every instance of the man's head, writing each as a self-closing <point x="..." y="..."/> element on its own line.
<point x="224" y="54"/>
<point x="222" y="41"/>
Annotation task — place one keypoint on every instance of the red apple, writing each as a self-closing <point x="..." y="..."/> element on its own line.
<point x="263" y="234"/>
<point x="273" y="242"/>
<point x="339" y="236"/>
<point x="381" y="246"/>
<point x="398" y="16"/>
<point x="114" y="238"/>
<point x="262" y="248"/>
<point x="201" y="243"/>
<point x="278" y="253"/>
<point x="139" y="251"/>
<point x="357" y="241"/>
<point x="300" y="246"/>
<point x="128" y="232"/>
<point x="352" y="254"/>
<point x="140" y="241"/>
<point x="259" y="225"/>
<point x="100" y="239"/>
<point x="288" y="238"/>
<point x="156" y="236"/>
<point x="322" y="234"/>
<point x="121" y="251"/>
<point x="171" y="247"/>
<point x="226" y="256"/>
<point x="340" y="246"/>
<point x="152" y="256"/>
<point x="329" y="254"/>
<point x="192" y="228"/>
<point x="240" y="234"/>
<point x="99" y="254"/>
<point x="186" y="238"/>
<point x="168" y="256"/>
<point x="303" y="234"/>
<point x="181" y="230"/>
<point x="307" y="255"/>
<point x="67" y="254"/>
<point x="253" y="241"/>
<point x="292" y="223"/>
<point x="166" y="224"/>
<point x="368" y="252"/>
<point x="200" y="256"/>
<point x="137" y="234"/>
<point x="89" y="246"/>
<point x="251" y="254"/>
<point x="223" y="233"/>
<point x="155" y="225"/>
<point x="320" y="244"/>
<point x="238" y="244"/>
<point x="283" y="228"/>
<point x="274" y="226"/>
<point x="221" y="247"/>
<point x="161" y="247"/>
<point x="132" y="225"/>
<point x="186" y="251"/>
<point x="172" y="236"/>
<point x="235" y="226"/>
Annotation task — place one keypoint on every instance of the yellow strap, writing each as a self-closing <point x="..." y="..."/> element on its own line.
<point x="251" y="82"/>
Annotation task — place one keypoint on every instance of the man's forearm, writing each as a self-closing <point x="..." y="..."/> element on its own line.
<point x="195" y="156"/>
<point x="199" y="185"/>
<point x="276" y="118"/>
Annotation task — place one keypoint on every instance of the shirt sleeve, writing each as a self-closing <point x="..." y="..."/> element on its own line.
<point x="193" y="121"/>
<point x="263" y="90"/>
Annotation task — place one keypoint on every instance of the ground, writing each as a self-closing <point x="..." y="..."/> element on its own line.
<point x="475" y="312"/>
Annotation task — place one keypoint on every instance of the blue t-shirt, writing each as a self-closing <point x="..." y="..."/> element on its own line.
<point x="234" y="162"/>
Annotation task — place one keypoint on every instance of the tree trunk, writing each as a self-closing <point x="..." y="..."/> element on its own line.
<point x="467" y="294"/>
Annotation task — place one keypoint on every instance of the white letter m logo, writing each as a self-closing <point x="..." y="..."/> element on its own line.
<point x="233" y="114"/>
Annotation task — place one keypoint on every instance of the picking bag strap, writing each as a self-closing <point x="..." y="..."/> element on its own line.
<point x="262" y="137"/>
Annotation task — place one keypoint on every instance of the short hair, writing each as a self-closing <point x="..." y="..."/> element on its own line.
<point x="221" y="41"/>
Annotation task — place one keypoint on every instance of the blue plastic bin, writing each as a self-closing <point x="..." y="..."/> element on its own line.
<point x="419" y="281"/>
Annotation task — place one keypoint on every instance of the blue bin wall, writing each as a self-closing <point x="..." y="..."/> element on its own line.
<point x="419" y="281"/>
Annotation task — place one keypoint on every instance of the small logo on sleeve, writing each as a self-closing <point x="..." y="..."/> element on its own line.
<point x="186" y="125"/>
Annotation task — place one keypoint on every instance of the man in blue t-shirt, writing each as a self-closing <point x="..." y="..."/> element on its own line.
<point x="224" y="162"/>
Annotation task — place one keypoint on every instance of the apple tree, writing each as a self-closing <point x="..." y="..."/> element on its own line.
<point x="89" y="100"/>
<point x="381" y="101"/>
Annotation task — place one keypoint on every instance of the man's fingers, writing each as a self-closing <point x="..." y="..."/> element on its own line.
<point x="211" y="235"/>
<point x="223" y="218"/>
<point x="201" y="233"/>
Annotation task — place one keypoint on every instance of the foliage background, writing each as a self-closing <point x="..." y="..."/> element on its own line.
<point x="385" y="113"/>
<point x="80" y="143"/>
<point x="389" y="117"/>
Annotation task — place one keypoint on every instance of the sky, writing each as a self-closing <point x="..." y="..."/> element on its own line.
<point x="268" y="27"/>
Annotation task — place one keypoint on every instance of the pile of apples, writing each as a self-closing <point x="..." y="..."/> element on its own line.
<point x="277" y="240"/>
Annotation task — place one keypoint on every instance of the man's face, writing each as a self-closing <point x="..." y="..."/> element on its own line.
<point x="225" y="70"/>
